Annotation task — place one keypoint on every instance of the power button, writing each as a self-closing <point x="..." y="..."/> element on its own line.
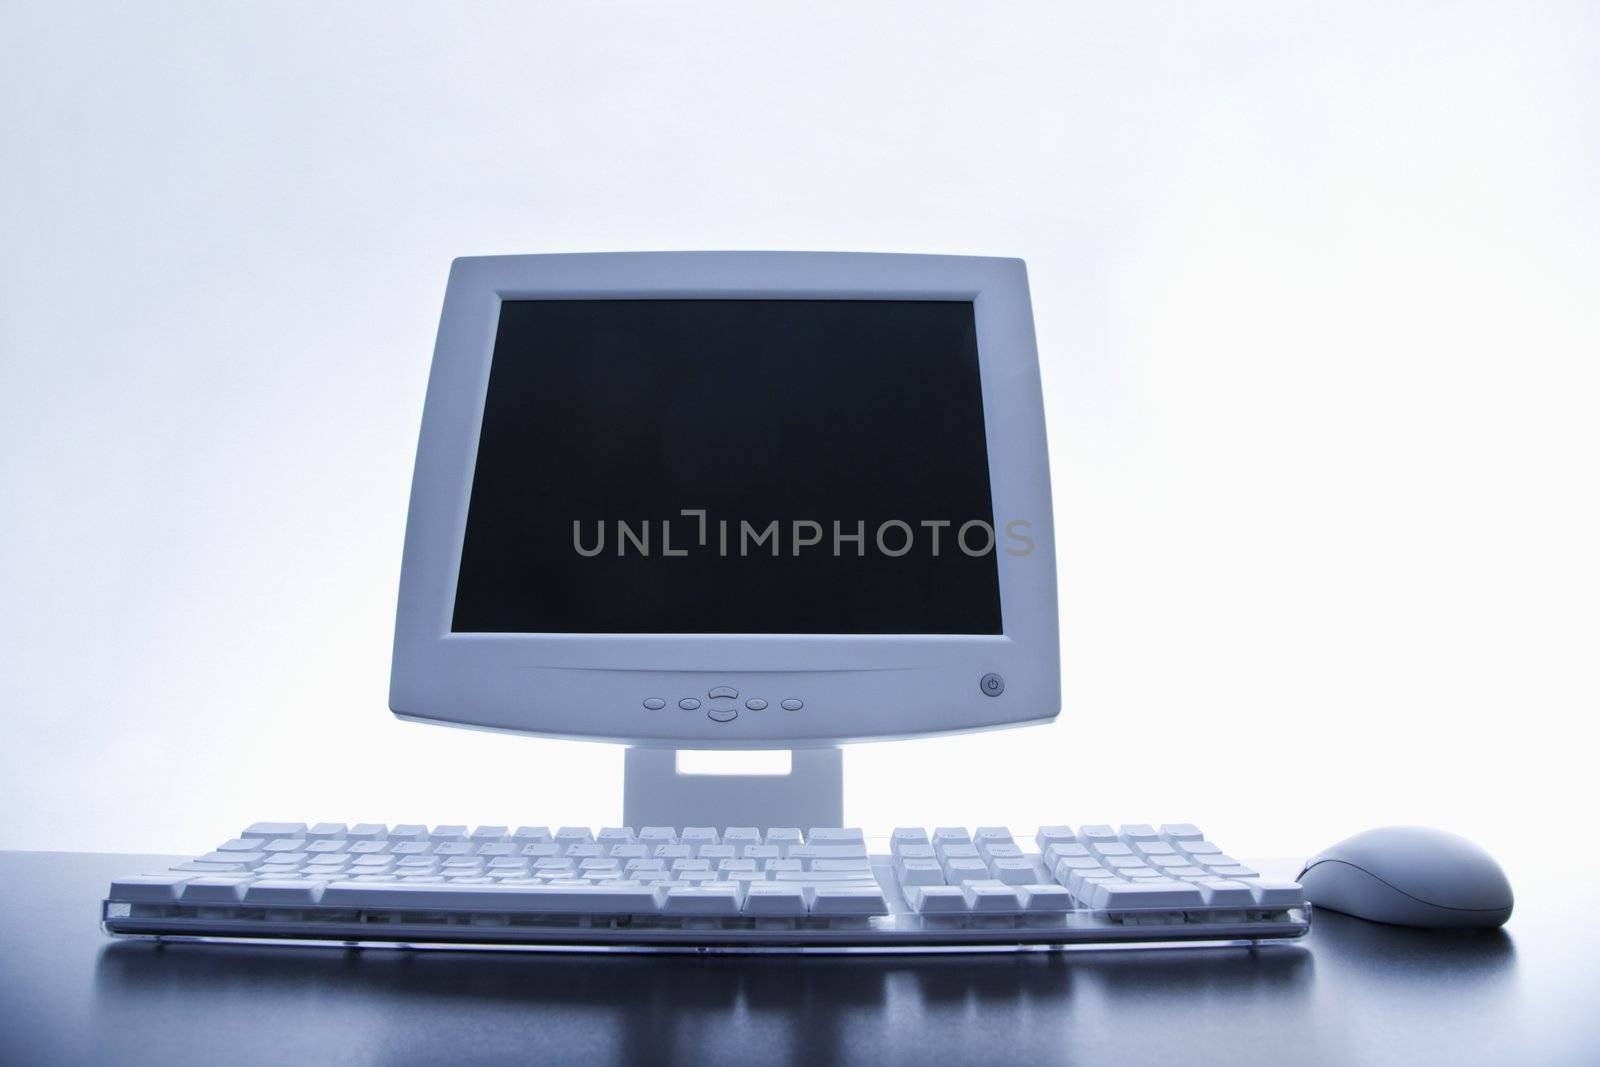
<point x="992" y="685"/>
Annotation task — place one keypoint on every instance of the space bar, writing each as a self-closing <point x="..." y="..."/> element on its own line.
<point x="544" y="899"/>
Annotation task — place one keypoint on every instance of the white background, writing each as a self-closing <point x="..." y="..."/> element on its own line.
<point x="1315" y="290"/>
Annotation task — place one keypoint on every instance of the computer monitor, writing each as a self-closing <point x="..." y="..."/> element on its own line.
<point x="731" y="500"/>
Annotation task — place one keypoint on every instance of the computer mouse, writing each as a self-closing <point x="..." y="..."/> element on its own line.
<point x="1410" y="876"/>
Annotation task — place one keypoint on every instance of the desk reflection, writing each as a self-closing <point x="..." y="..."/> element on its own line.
<point x="388" y="1004"/>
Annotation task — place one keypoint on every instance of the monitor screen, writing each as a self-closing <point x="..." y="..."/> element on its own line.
<point x="748" y="466"/>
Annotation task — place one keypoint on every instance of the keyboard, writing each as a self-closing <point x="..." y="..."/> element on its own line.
<point x="703" y="888"/>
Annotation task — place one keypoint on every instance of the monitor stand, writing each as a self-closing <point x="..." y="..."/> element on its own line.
<point x="656" y="793"/>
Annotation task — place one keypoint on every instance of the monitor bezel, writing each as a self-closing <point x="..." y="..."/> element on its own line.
<point x="854" y="687"/>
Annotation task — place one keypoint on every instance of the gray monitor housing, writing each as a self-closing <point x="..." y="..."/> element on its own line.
<point x="660" y="692"/>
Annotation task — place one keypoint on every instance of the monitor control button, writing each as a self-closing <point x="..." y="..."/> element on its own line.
<point x="724" y="691"/>
<point x="792" y="704"/>
<point x="756" y="704"/>
<point x="655" y="703"/>
<point x="688" y="703"/>
<point x="992" y="685"/>
<point x="723" y="714"/>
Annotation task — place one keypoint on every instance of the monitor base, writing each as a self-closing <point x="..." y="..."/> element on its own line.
<point x="656" y="793"/>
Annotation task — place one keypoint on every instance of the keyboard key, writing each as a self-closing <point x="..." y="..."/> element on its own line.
<point x="1198" y="848"/>
<point x="1014" y="871"/>
<point x="1154" y="848"/>
<point x="995" y="850"/>
<point x="957" y="871"/>
<point x="820" y="877"/>
<point x="449" y="832"/>
<point x="148" y="888"/>
<point x="614" y="835"/>
<point x="1181" y="831"/>
<point x="921" y="872"/>
<point x="1111" y="848"/>
<point x="806" y="853"/>
<point x="528" y="835"/>
<point x="1273" y="894"/>
<point x="989" y="897"/>
<point x="574" y="835"/>
<point x="848" y="901"/>
<point x="367" y="831"/>
<point x="714" y="899"/>
<point x="409" y="831"/>
<point x="953" y="850"/>
<point x="836" y="835"/>
<point x="1062" y="850"/>
<point x="283" y="892"/>
<point x="658" y="835"/>
<point x="741" y="836"/>
<point x="233" y="857"/>
<point x="1042" y="898"/>
<point x="699" y="835"/>
<point x="917" y="852"/>
<point x="955" y="835"/>
<point x="272" y="830"/>
<point x="1138" y="831"/>
<point x="1096" y="833"/>
<point x="937" y="899"/>
<point x="323" y="831"/>
<point x="1054" y="835"/>
<point x="579" y="899"/>
<point x="1225" y="893"/>
<point x="907" y="835"/>
<point x="783" y="836"/>
<point x="1131" y="896"/>
<point x="1233" y="871"/>
<point x="774" y="900"/>
<point x="1066" y="865"/>
<point x="491" y="833"/>
<point x="215" y="889"/>
<point x="240" y="844"/>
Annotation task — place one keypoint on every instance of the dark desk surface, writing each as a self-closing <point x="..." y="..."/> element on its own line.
<point x="1352" y="992"/>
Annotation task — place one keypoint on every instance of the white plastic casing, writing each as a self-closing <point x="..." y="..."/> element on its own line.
<point x="854" y="687"/>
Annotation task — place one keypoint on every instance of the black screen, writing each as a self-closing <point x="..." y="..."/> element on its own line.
<point x="605" y="420"/>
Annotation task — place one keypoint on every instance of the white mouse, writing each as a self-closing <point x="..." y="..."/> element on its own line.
<point x="1410" y="876"/>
